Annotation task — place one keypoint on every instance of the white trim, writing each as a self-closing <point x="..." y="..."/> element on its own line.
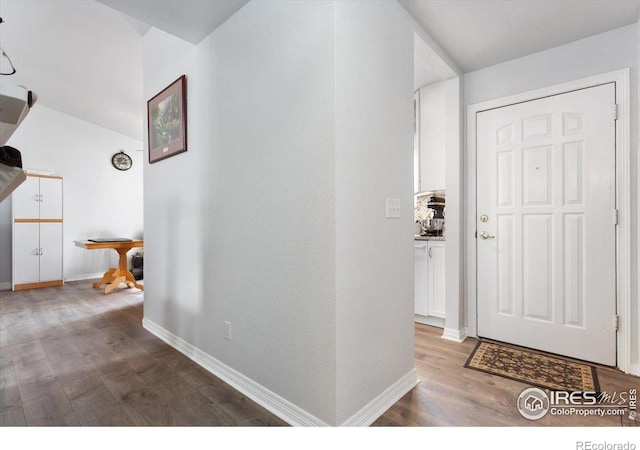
<point x="451" y="334"/>
<point x="623" y="197"/>
<point x="429" y="320"/>
<point x="376" y="407"/>
<point x="271" y="401"/>
<point x="5" y="286"/>
<point x="635" y="369"/>
<point x="84" y="276"/>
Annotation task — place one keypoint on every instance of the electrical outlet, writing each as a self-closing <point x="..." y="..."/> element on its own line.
<point x="227" y="330"/>
<point x="393" y="208"/>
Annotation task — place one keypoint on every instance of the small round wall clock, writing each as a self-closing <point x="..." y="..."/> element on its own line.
<point x="121" y="161"/>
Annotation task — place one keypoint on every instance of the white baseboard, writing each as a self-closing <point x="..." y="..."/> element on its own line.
<point x="5" y="286"/>
<point x="451" y="334"/>
<point x="429" y="320"/>
<point x="84" y="276"/>
<point x="269" y="400"/>
<point x="634" y="369"/>
<point x="376" y="407"/>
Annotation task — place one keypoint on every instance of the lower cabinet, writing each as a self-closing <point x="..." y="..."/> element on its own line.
<point x="429" y="282"/>
<point x="37" y="254"/>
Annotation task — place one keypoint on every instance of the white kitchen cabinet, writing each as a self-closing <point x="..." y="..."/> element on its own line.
<point x="26" y="253"/>
<point x="421" y="271"/>
<point x="38" y="198"/>
<point x="429" y="282"/>
<point x="37" y="232"/>
<point x="435" y="279"/>
<point x="431" y="137"/>
<point x="37" y="254"/>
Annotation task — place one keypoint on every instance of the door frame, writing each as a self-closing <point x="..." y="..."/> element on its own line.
<point x="623" y="199"/>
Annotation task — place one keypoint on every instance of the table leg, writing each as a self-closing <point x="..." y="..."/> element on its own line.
<point x="115" y="283"/>
<point x="113" y="277"/>
<point x="124" y="270"/>
<point x="106" y="278"/>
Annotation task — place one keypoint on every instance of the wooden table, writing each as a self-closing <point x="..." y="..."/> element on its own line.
<point x="113" y="277"/>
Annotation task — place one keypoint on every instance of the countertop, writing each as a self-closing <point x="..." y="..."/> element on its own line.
<point x="417" y="237"/>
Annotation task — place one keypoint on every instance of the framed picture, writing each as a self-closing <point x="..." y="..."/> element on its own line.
<point x="167" y="121"/>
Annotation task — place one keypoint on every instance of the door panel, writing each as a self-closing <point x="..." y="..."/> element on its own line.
<point x="51" y="194"/>
<point x="51" y="255"/>
<point x="546" y="180"/>
<point x="25" y="199"/>
<point x="25" y="247"/>
<point x="421" y="274"/>
<point x="436" y="279"/>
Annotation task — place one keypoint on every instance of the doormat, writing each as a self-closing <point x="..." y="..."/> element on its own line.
<point x="533" y="368"/>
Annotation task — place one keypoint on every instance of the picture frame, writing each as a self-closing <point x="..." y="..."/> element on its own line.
<point x="167" y="121"/>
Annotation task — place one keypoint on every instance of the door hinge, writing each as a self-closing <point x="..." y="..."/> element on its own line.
<point x="615" y="112"/>
<point x="616" y="322"/>
<point x="616" y="214"/>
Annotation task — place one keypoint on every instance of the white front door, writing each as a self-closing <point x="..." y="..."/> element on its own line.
<point x="546" y="224"/>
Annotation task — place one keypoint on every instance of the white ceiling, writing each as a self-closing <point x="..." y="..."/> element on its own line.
<point x="191" y="20"/>
<point x="84" y="58"/>
<point x="481" y="33"/>
<point x="80" y="57"/>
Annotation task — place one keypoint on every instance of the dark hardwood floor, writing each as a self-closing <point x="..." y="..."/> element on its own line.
<point x="72" y="356"/>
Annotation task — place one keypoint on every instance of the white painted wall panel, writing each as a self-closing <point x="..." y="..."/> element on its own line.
<point x="374" y="255"/>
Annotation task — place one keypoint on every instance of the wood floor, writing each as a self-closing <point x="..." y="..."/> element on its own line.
<point x="72" y="356"/>
<point x="450" y="395"/>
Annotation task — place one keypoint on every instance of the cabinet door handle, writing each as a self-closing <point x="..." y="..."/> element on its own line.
<point x="41" y="195"/>
<point x="430" y="248"/>
<point x="35" y="252"/>
<point x="40" y="252"/>
<point x="36" y="198"/>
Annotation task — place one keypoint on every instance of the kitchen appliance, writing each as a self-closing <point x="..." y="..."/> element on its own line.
<point x="434" y="225"/>
<point x="437" y="204"/>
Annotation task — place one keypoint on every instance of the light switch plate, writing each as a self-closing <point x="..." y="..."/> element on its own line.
<point x="393" y="208"/>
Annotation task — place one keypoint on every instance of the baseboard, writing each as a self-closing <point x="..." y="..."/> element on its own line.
<point x="38" y="285"/>
<point x="429" y="320"/>
<point x="451" y="334"/>
<point x="269" y="400"/>
<point x="379" y="405"/>
<point x="634" y="369"/>
<point x="5" y="286"/>
<point x="84" y="276"/>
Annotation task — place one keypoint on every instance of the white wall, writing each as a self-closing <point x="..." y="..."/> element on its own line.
<point x="245" y="232"/>
<point x="374" y="160"/>
<point x="98" y="199"/>
<point x="594" y="55"/>
<point x="263" y="224"/>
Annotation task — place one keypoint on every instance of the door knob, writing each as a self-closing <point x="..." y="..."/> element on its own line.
<point x="485" y="235"/>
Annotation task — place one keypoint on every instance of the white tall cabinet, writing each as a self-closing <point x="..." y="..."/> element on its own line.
<point x="37" y="232"/>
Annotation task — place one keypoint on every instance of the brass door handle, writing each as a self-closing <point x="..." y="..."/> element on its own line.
<point x="485" y="235"/>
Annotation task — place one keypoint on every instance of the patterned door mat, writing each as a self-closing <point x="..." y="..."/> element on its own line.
<point x="533" y="368"/>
